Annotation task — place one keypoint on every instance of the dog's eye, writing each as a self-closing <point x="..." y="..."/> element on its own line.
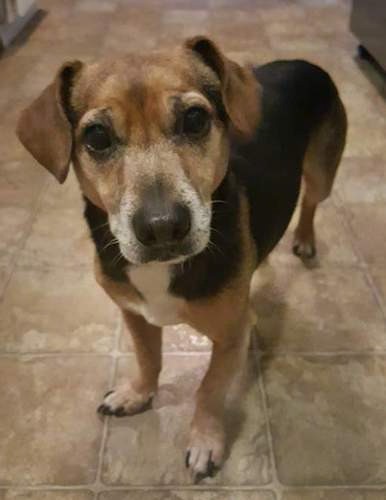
<point x="97" y="138"/>
<point x="196" y="121"/>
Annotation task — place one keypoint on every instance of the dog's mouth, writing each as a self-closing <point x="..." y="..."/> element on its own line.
<point x="171" y="235"/>
<point x="169" y="254"/>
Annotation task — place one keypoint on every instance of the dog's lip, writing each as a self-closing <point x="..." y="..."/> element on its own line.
<point x="172" y="254"/>
<point x="169" y="253"/>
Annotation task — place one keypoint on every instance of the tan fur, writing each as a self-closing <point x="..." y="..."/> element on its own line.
<point x="46" y="117"/>
<point x="239" y="87"/>
<point x="321" y="161"/>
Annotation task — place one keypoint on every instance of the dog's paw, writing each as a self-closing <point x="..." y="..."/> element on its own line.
<point x="205" y="453"/>
<point x="124" y="401"/>
<point x="304" y="249"/>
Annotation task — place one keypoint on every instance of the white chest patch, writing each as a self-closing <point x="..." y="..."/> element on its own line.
<point x="158" y="307"/>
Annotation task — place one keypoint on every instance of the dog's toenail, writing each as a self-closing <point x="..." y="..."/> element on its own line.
<point x="210" y="465"/>
<point x="187" y="458"/>
<point x="120" y="412"/>
<point x="211" y="468"/>
<point x="100" y="408"/>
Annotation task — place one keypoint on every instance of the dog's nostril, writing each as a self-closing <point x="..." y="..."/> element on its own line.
<point x="155" y="228"/>
<point x="142" y="229"/>
<point x="181" y="221"/>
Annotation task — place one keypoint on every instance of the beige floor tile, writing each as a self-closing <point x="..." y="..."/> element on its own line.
<point x="362" y="180"/>
<point x="379" y="277"/>
<point x="59" y="235"/>
<point x="282" y="11"/>
<point x="327" y="17"/>
<point x="174" y="338"/>
<point x="359" y="100"/>
<point x="182" y="16"/>
<point x="300" y="309"/>
<point x="11" y="147"/>
<point x="367" y="221"/>
<point x="252" y="35"/>
<point x="68" y="30"/>
<point x="5" y="272"/>
<point x="45" y="495"/>
<point x="327" y="415"/>
<point x="303" y="44"/>
<point x="14" y="68"/>
<point x="366" y="137"/>
<point x="15" y="224"/>
<point x="107" y="6"/>
<point x="332" y="240"/>
<point x="62" y="196"/>
<point x="56" y="310"/>
<point x="335" y="495"/>
<point x="248" y="5"/>
<point x="50" y="433"/>
<point x="149" y="449"/>
<point x="20" y="183"/>
<point x="188" y="495"/>
<point x="143" y="34"/>
<point x="45" y="68"/>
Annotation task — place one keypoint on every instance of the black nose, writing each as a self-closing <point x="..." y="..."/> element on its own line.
<point x="162" y="227"/>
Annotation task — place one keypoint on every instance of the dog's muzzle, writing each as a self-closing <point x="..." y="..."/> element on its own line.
<point x="162" y="230"/>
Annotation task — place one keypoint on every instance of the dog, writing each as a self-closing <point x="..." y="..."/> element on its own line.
<point x="190" y="167"/>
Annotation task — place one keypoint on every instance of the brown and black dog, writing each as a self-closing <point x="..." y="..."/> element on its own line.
<point x="190" y="166"/>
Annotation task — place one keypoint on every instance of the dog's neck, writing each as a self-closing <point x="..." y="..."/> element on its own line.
<point x="198" y="277"/>
<point x="205" y="274"/>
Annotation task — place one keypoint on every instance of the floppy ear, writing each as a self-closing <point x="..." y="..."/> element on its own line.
<point x="240" y="90"/>
<point x="44" y="127"/>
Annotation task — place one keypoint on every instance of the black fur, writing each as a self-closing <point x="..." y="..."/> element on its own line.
<point x="112" y="261"/>
<point x="67" y="80"/>
<point x="206" y="273"/>
<point x="213" y="94"/>
<point x="296" y="96"/>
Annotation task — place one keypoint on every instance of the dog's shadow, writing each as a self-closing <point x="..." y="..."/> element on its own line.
<point x="267" y="302"/>
<point x="180" y="389"/>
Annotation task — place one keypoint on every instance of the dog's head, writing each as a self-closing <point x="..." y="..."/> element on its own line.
<point x="149" y="140"/>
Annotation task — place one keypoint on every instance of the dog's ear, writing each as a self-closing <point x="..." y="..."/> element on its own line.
<point x="240" y="90"/>
<point x="44" y="127"/>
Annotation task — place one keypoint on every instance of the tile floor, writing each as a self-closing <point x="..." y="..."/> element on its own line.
<point x="311" y="425"/>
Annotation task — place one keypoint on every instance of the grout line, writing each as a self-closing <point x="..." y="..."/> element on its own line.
<point x="338" y="487"/>
<point x="321" y="354"/>
<point x="339" y="204"/>
<point x="263" y="354"/>
<point x="197" y="488"/>
<point x="98" y="482"/>
<point x="268" y="430"/>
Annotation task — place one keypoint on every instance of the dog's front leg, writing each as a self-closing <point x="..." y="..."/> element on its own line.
<point x="135" y="396"/>
<point x="207" y="437"/>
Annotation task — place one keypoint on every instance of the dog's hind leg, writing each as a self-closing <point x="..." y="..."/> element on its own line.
<point x="321" y="161"/>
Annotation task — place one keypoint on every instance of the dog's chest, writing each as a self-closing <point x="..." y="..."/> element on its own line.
<point x="159" y="307"/>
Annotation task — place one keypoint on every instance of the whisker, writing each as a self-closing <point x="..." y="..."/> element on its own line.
<point x="114" y="241"/>
<point x="100" y="226"/>
<point x="219" y="201"/>
<point x="212" y="245"/>
<point x="116" y="259"/>
<point x="216" y="230"/>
